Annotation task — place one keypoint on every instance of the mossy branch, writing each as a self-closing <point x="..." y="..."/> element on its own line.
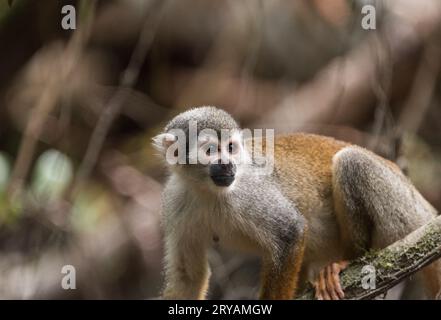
<point x="392" y="264"/>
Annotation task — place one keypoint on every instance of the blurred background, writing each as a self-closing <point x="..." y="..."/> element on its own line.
<point x="79" y="182"/>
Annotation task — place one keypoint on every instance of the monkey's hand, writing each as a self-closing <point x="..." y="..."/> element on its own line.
<point x="327" y="286"/>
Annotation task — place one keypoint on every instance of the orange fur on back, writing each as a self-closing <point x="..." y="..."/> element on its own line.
<point x="298" y="154"/>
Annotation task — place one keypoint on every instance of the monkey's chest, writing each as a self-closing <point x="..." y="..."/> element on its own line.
<point x="222" y="232"/>
<point x="234" y="241"/>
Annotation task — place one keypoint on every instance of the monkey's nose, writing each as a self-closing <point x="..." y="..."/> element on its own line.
<point x="222" y="174"/>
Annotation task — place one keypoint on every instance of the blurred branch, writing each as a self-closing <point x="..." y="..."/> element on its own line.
<point x="47" y="102"/>
<point x="424" y="85"/>
<point x="405" y="31"/>
<point x="381" y="86"/>
<point x="138" y="106"/>
<point x="128" y="80"/>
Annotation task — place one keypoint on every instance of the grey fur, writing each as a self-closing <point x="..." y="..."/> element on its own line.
<point x="382" y="205"/>
<point x="206" y="117"/>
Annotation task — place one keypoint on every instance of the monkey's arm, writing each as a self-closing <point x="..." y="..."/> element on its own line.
<point x="280" y="272"/>
<point x="279" y="230"/>
<point x="186" y="266"/>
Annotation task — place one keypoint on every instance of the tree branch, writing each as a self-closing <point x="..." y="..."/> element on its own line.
<point x="392" y="264"/>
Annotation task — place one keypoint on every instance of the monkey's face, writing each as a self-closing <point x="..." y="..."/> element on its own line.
<point x="221" y="159"/>
<point x="212" y="161"/>
<point x="216" y="160"/>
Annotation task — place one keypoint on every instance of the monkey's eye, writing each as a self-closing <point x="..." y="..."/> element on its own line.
<point x="211" y="150"/>
<point x="232" y="147"/>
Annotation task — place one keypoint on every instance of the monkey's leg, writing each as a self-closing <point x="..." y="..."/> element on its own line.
<point x="280" y="273"/>
<point x="186" y="268"/>
<point x="376" y="205"/>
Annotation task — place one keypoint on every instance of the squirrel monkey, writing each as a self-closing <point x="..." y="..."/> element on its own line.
<point x="324" y="202"/>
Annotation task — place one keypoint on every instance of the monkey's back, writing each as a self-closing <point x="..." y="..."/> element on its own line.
<point x="304" y="169"/>
<point x="303" y="162"/>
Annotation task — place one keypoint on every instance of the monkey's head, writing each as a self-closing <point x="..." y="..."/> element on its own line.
<point x="204" y="146"/>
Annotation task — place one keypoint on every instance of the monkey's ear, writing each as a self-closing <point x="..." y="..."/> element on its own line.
<point x="162" y="141"/>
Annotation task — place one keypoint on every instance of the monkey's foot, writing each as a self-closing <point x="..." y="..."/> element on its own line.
<point x="327" y="286"/>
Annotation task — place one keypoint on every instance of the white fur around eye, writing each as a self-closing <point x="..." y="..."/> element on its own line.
<point x="233" y="147"/>
<point x="211" y="149"/>
<point x="204" y="156"/>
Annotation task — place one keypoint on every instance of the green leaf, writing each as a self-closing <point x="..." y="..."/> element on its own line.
<point x="53" y="173"/>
